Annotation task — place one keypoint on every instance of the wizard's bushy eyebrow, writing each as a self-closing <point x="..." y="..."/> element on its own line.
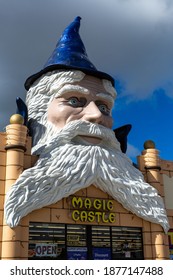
<point x="106" y="96"/>
<point x="71" y="88"/>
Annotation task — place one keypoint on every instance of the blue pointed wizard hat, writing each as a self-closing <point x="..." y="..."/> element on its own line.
<point x="69" y="53"/>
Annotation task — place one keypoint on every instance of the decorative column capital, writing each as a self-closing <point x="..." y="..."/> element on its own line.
<point x="16" y="133"/>
<point x="151" y="156"/>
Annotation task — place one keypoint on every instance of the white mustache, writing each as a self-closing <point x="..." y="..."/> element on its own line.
<point x="81" y="128"/>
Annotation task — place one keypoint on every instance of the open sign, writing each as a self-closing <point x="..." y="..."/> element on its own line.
<point x="44" y="250"/>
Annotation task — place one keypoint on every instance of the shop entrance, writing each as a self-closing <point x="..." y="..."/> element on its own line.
<point x="82" y="242"/>
<point x="88" y="242"/>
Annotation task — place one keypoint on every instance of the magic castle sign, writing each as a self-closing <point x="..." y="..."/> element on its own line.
<point x="92" y="210"/>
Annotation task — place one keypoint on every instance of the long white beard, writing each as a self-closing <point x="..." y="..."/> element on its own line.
<point x="66" y="166"/>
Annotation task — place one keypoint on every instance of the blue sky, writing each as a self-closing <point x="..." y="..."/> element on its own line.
<point x="150" y="119"/>
<point x="129" y="39"/>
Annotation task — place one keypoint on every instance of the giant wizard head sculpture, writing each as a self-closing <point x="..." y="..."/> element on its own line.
<point x="70" y="118"/>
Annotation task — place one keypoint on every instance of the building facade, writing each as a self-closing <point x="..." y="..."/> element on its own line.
<point x="87" y="225"/>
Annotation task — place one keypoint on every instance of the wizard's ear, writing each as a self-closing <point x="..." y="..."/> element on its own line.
<point x="22" y="109"/>
<point x="121" y="135"/>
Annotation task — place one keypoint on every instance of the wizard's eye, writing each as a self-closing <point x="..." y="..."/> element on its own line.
<point x="104" y="109"/>
<point x="75" y="102"/>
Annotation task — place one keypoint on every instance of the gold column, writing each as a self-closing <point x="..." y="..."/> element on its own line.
<point x="149" y="163"/>
<point x="2" y="181"/>
<point x="13" y="240"/>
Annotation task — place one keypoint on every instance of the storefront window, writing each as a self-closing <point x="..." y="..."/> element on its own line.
<point x="127" y="243"/>
<point x="101" y="243"/>
<point x="76" y="242"/>
<point x="82" y="242"/>
<point x="46" y="241"/>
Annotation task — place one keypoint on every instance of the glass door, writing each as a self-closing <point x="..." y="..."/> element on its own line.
<point x="101" y="243"/>
<point x="76" y="242"/>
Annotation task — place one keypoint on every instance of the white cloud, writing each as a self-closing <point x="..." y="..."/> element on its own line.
<point x="132" y="152"/>
<point x="143" y="46"/>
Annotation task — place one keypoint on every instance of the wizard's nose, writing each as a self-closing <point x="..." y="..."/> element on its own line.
<point x="91" y="113"/>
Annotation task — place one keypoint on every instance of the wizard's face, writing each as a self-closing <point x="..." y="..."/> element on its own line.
<point x="87" y="100"/>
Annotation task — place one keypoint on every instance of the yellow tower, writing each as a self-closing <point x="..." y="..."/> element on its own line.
<point x="15" y="241"/>
<point x="150" y="166"/>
